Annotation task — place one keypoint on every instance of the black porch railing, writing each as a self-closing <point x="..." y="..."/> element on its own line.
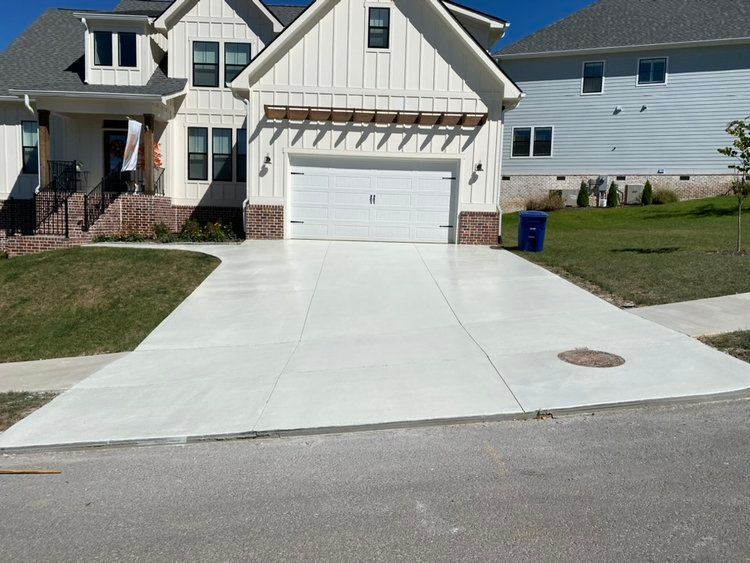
<point x="63" y="176"/>
<point x="100" y="197"/>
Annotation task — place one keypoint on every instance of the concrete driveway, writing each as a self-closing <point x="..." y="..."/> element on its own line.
<point x="304" y="335"/>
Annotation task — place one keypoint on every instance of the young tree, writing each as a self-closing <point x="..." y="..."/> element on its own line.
<point x="583" y="195"/>
<point x="648" y="194"/>
<point x="613" y="197"/>
<point x="739" y="130"/>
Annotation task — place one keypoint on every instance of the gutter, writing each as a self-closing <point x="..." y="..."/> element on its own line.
<point x="89" y="95"/>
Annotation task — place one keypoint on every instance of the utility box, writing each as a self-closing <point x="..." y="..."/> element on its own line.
<point x="633" y="194"/>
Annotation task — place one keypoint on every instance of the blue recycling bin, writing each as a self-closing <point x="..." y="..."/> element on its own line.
<point x="532" y="229"/>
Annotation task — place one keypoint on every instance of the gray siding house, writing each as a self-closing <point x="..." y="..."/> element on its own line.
<point x="628" y="89"/>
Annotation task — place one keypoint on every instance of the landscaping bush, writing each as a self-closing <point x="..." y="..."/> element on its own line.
<point x="583" y="195"/>
<point x="647" y="198"/>
<point x="551" y="202"/>
<point x="4" y="255"/>
<point x="217" y="231"/>
<point x="124" y="236"/>
<point x="662" y="197"/>
<point x="613" y="198"/>
<point x="163" y="233"/>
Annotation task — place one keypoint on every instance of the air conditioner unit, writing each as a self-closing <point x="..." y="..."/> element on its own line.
<point x="633" y="194"/>
<point x="569" y="197"/>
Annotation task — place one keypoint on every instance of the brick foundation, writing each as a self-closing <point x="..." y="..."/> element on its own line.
<point x="125" y="213"/>
<point x="516" y="191"/>
<point x="476" y="227"/>
<point x="264" y="222"/>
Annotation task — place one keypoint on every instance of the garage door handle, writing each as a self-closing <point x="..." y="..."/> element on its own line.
<point x="298" y="222"/>
<point x="446" y="226"/>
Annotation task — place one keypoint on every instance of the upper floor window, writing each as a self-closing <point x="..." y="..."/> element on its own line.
<point x="532" y="141"/>
<point x="206" y="64"/>
<point x="103" y="48"/>
<point x="30" y="143"/>
<point x="236" y="58"/>
<point x="593" y="77"/>
<point x="652" y="71"/>
<point x="379" y="28"/>
<point x="128" y="50"/>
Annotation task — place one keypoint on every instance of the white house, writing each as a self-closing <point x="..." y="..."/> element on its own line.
<point x="345" y="119"/>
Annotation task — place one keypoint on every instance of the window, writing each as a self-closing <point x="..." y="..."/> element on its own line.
<point x="522" y="141"/>
<point x="103" y="48"/>
<point x="222" y="154"/>
<point x="30" y="143"/>
<point x="532" y="141"/>
<point x="542" y="141"/>
<point x="205" y="64"/>
<point x="379" y="28"/>
<point x="128" y="55"/>
<point x="593" y="78"/>
<point x="652" y="71"/>
<point x="236" y="58"/>
<point x="241" y="155"/>
<point x="197" y="153"/>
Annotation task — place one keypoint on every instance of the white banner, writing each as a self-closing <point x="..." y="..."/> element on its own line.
<point x="130" y="158"/>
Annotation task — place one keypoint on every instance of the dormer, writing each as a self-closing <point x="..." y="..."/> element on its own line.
<point x="118" y="49"/>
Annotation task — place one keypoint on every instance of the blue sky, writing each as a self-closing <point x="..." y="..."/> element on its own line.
<point x="525" y="17"/>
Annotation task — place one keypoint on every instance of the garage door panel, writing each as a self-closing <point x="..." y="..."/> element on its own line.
<point x="412" y="199"/>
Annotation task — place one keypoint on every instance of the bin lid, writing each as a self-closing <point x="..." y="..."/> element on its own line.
<point x="534" y="214"/>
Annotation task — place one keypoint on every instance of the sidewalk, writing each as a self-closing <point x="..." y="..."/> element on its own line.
<point x="59" y="374"/>
<point x="702" y="317"/>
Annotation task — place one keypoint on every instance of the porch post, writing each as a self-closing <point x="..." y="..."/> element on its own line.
<point x="44" y="148"/>
<point x="148" y="153"/>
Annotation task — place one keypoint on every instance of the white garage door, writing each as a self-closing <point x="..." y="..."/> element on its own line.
<point x="372" y="199"/>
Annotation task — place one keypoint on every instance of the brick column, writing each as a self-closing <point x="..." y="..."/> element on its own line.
<point x="148" y="153"/>
<point x="44" y="147"/>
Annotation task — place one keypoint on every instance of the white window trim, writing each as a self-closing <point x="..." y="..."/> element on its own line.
<point x="531" y="145"/>
<point x="388" y="6"/>
<point x="652" y="84"/>
<point x="254" y="51"/>
<point x="116" y="49"/>
<point x="583" y="77"/>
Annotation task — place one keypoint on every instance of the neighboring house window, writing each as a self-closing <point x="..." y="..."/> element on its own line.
<point x="542" y="141"/>
<point x="197" y="153"/>
<point x="128" y="50"/>
<point x="522" y="141"/>
<point x="593" y="78"/>
<point x="222" y="154"/>
<point x="103" y="48"/>
<point x="379" y="29"/>
<point x="205" y="64"/>
<point x="30" y="142"/>
<point x="241" y="155"/>
<point x="236" y="58"/>
<point x="652" y="71"/>
<point x="532" y="141"/>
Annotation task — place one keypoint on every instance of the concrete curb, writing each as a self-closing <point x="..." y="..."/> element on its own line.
<point x="742" y="394"/>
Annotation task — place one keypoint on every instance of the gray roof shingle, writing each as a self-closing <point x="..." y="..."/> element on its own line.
<point x="625" y="23"/>
<point x="286" y="14"/>
<point x="49" y="56"/>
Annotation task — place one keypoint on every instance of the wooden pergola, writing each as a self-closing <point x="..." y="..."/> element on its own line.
<point x="380" y="117"/>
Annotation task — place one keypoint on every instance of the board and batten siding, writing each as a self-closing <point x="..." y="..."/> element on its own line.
<point x="13" y="182"/>
<point x="675" y="127"/>
<point x="218" y="21"/>
<point x="426" y="68"/>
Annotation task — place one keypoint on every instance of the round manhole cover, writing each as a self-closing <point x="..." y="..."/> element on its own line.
<point x="591" y="358"/>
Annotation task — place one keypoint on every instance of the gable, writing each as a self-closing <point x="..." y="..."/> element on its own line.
<point x="430" y="50"/>
<point x="180" y="7"/>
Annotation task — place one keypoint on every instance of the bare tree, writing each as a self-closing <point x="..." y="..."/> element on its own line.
<point x="739" y="130"/>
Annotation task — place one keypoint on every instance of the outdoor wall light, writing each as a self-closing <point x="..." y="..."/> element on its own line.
<point x="480" y="166"/>
<point x="618" y="109"/>
<point x="644" y="108"/>
<point x="267" y="159"/>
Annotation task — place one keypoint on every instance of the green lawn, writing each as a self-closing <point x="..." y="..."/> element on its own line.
<point x="15" y="405"/>
<point x="736" y="344"/>
<point x="647" y="255"/>
<point x="91" y="300"/>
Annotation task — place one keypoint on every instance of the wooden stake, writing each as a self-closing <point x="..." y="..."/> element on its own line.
<point x="30" y="472"/>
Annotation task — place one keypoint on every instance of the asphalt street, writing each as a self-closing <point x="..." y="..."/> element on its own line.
<point x="666" y="483"/>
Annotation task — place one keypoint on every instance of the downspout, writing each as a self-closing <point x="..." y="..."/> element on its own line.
<point x="246" y="202"/>
<point x="27" y="103"/>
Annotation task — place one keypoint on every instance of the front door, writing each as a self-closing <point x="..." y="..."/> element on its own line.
<point x="114" y="153"/>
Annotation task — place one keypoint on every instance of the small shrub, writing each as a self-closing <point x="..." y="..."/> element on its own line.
<point x="583" y="195"/>
<point x="613" y="198"/>
<point x="551" y="202"/>
<point x="192" y="231"/>
<point x="124" y="236"/>
<point x="216" y="231"/>
<point x="662" y="197"/>
<point x="647" y="198"/>
<point x="4" y="255"/>
<point x="163" y="233"/>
